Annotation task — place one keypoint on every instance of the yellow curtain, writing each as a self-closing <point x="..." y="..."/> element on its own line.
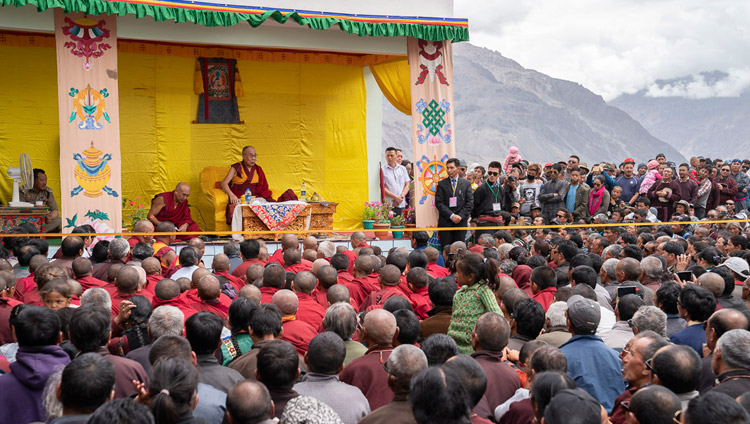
<point x="306" y="121"/>
<point x="393" y="80"/>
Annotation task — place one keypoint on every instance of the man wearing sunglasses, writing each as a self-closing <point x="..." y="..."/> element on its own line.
<point x="727" y="186"/>
<point x="488" y="201"/>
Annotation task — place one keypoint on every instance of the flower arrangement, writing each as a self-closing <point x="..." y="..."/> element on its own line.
<point x="384" y="214"/>
<point x="133" y="211"/>
<point x="396" y="219"/>
<point x="371" y="210"/>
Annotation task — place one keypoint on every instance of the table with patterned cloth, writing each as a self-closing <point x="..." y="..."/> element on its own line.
<point x="14" y="216"/>
<point x="292" y="215"/>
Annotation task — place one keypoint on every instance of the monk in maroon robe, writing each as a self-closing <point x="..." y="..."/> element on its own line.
<point x="209" y="291"/>
<point x="82" y="270"/>
<point x="242" y="176"/>
<point x="309" y="310"/>
<point x="296" y="331"/>
<point x="389" y="279"/>
<point x="167" y="292"/>
<point x="173" y="206"/>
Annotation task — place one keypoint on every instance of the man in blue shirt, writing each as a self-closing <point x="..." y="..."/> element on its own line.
<point x="594" y="366"/>
<point x="629" y="182"/>
<point x="696" y="305"/>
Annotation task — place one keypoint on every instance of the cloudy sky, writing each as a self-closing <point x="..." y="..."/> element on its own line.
<point x="621" y="46"/>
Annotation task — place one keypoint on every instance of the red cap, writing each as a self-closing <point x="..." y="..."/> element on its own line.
<point x="548" y="164"/>
<point x="629" y="160"/>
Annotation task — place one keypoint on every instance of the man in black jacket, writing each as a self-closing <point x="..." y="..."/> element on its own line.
<point x="488" y="201"/>
<point x="454" y="200"/>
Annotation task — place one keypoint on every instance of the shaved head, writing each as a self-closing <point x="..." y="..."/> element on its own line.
<point x="37" y="261"/>
<point x="209" y="287"/>
<point x="357" y="238"/>
<point x="310" y="255"/>
<point x="364" y="265"/>
<point x="337" y="293"/>
<point x="327" y="276"/>
<point x="251" y="292"/>
<point x="310" y="242"/>
<point x="287" y="302"/>
<point x="151" y="266"/>
<point x="292" y="256"/>
<point x="289" y="241"/>
<point x="81" y="267"/>
<point x="141" y="277"/>
<point x="197" y="243"/>
<point x="167" y="289"/>
<point x="220" y="263"/>
<point x="432" y="254"/>
<point x="254" y="272"/>
<point x="380" y="326"/>
<point x="304" y="282"/>
<point x="165" y="227"/>
<point x="143" y="226"/>
<point x="112" y="271"/>
<point x="127" y="279"/>
<point x="317" y="264"/>
<point x="197" y="275"/>
<point x="390" y="275"/>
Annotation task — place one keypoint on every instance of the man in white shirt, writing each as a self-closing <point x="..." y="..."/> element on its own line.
<point x="395" y="181"/>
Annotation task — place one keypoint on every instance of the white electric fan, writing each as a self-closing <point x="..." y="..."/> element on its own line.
<point x="21" y="175"/>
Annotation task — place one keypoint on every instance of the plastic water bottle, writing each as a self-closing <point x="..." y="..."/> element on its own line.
<point x="248" y="196"/>
<point x="303" y="191"/>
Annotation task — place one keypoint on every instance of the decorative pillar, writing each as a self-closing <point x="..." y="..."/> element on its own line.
<point x="89" y="121"/>
<point x="431" y="71"/>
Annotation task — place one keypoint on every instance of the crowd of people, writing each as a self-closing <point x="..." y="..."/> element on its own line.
<point x="586" y="324"/>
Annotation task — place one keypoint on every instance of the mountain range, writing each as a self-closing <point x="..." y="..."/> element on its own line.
<point x="715" y="126"/>
<point x="498" y="104"/>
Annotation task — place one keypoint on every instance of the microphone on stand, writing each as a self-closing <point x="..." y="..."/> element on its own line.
<point x="205" y="226"/>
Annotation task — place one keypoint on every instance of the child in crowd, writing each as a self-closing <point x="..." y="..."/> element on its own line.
<point x="652" y="176"/>
<point x="56" y="294"/>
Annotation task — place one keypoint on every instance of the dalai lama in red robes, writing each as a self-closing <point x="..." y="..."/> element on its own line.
<point x="242" y="176"/>
<point x="173" y="206"/>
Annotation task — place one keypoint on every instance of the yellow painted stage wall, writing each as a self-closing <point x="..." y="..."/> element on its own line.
<point x="303" y="119"/>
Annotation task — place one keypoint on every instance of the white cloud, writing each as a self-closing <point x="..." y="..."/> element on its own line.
<point x="619" y="46"/>
<point x="698" y="87"/>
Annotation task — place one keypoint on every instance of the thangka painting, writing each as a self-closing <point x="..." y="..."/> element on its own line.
<point x="431" y="73"/>
<point x="217" y="83"/>
<point x="90" y="163"/>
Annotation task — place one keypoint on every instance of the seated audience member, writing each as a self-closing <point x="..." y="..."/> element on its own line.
<point x="173" y="390"/>
<point x="489" y="339"/>
<point x="441" y="294"/>
<point x="306" y="409"/>
<point x="90" y="331"/>
<point x="297" y="332"/>
<point x="594" y="366"/>
<point x="209" y="293"/>
<point x="526" y="324"/>
<point x="719" y="323"/>
<point x="438" y="396"/>
<point x="472" y="377"/>
<point x="325" y="360"/>
<point x="71" y="248"/>
<point x="714" y="408"/>
<point x="250" y="403"/>
<point x="118" y="252"/>
<point x="653" y="404"/>
<point x="188" y="263"/>
<point x="167" y="293"/>
<point x="249" y="251"/>
<point x="678" y="368"/>
<point x="543" y="285"/>
<point x="294" y="262"/>
<point x="636" y="374"/>
<point x="37" y="331"/>
<point x="327" y="277"/>
<point x="278" y="368"/>
<point x="341" y="319"/>
<point x="126" y="283"/>
<point x="438" y="348"/>
<point x="731" y="363"/>
<point x="164" y="320"/>
<point x="135" y="325"/>
<point x="265" y="326"/>
<point x="274" y="278"/>
<point x="86" y="384"/>
<point x="649" y="318"/>
<point x="389" y="279"/>
<point x="6" y="306"/>
<point x="556" y="329"/>
<point x="366" y="372"/>
<point x="621" y="332"/>
<point x="203" y="331"/>
<point x="308" y="310"/>
<point x="666" y="299"/>
<point x="418" y="282"/>
<point x="404" y="363"/>
<point x="82" y="270"/>
<point x="695" y="305"/>
<point x="408" y="327"/>
<point x="221" y="267"/>
<point x="239" y="342"/>
<point x="211" y="401"/>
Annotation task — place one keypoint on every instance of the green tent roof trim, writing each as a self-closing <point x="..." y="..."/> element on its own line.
<point x="212" y="14"/>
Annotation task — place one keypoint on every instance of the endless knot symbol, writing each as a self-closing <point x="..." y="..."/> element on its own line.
<point x="433" y="117"/>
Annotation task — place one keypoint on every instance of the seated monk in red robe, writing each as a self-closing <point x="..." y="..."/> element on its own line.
<point x="152" y="266"/>
<point x="82" y="270"/>
<point x="172" y="206"/>
<point x="244" y="175"/>
<point x="167" y="292"/>
<point x="389" y="278"/>
<point x="293" y="261"/>
<point x="309" y="310"/>
<point x="295" y="331"/>
<point x="209" y="291"/>
<point x="221" y="266"/>
<point x="165" y="254"/>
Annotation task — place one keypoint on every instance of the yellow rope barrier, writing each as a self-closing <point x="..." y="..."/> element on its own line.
<point x="499" y="227"/>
